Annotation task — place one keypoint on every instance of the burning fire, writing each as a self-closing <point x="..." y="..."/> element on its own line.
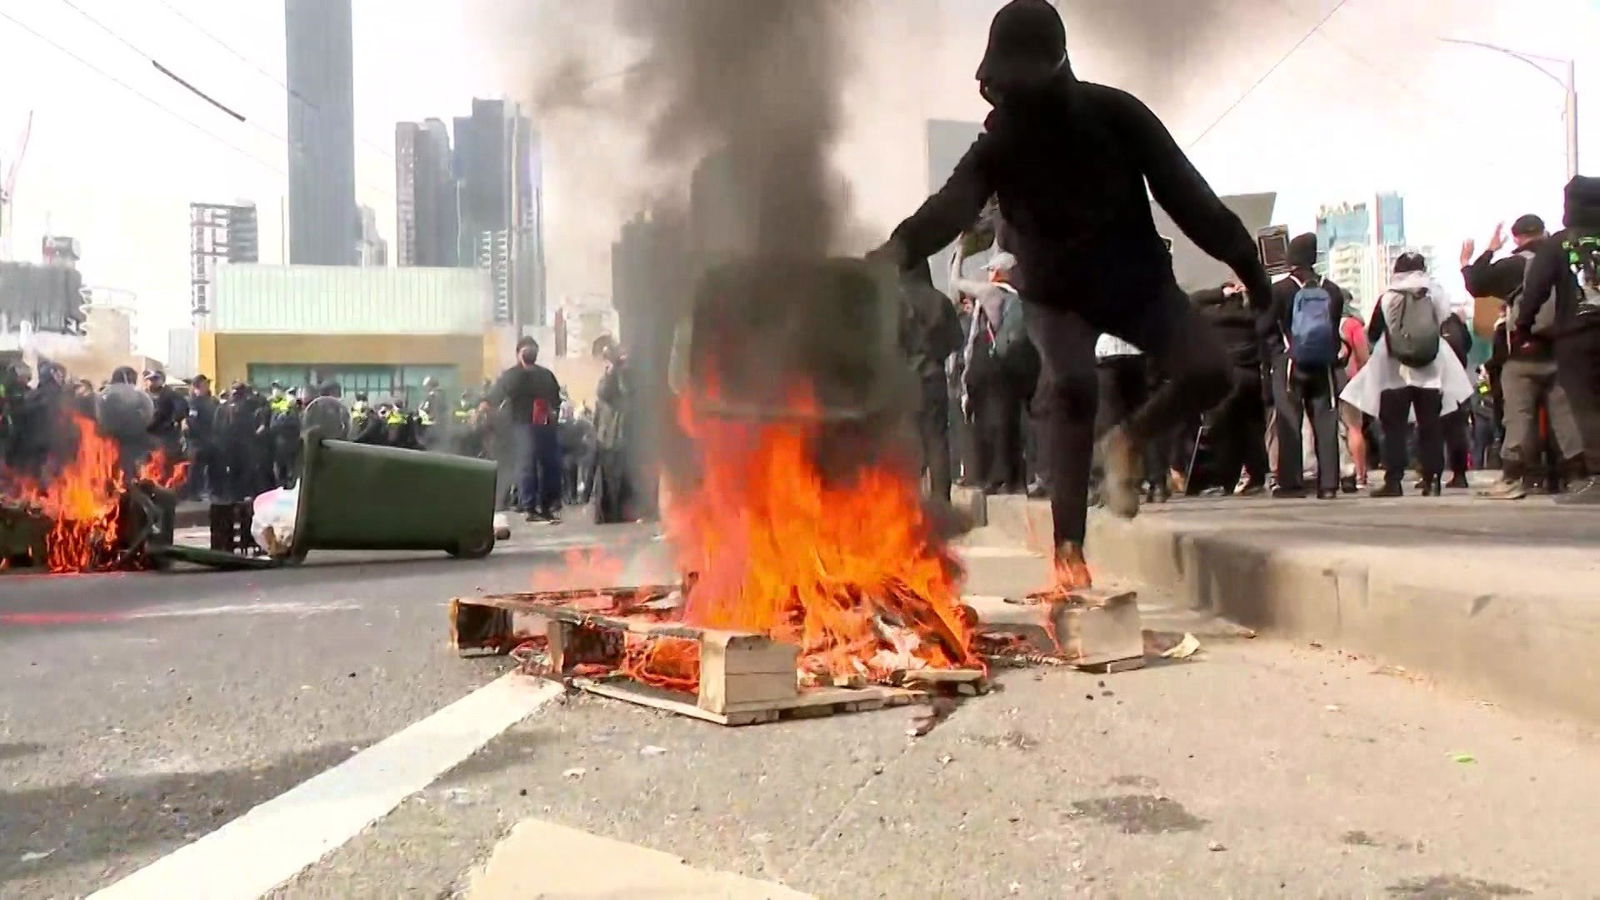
<point x="82" y="499"/>
<point x="848" y="570"/>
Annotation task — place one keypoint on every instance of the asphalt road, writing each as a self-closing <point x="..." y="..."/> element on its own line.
<point x="142" y="712"/>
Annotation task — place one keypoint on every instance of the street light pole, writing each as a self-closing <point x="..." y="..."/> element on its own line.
<point x="1569" y="84"/>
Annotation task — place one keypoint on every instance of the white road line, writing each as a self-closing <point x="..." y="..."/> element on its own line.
<point x="275" y="841"/>
<point x="996" y="553"/>
<point x="246" y="609"/>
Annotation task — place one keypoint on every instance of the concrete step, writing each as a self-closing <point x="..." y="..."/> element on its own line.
<point x="1499" y="600"/>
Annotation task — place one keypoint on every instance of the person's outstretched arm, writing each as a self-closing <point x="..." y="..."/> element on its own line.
<point x="943" y="217"/>
<point x="1190" y="201"/>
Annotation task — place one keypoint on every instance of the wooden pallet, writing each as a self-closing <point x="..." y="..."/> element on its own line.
<point x="744" y="678"/>
<point x="805" y="704"/>
<point x="1095" y="630"/>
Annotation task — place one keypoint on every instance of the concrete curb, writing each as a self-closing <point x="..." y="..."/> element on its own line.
<point x="1528" y="638"/>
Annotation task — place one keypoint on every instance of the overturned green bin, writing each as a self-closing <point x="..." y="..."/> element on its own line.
<point x="362" y="497"/>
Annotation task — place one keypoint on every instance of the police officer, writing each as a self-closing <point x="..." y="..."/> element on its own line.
<point x="285" y="440"/>
<point x="166" y="427"/>
<point x="201" y="432"/>
<point x="433" y="416"/>
<point x="366" y="423"/>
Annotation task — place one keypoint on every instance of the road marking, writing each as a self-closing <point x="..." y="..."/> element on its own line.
<point x="997" y="553"/>
<point x="273" y="842"/>
<point x="246" y="609"/>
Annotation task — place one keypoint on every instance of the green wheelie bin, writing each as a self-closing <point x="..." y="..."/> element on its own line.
<point x="361" y="497"/>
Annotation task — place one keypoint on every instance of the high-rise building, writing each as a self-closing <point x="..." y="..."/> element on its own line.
<point x="218" y="231"/>
<point x="495" y="168"/>
<point x="324" y="227"/>
<point x="427" y="221"/>
<point x="374" y="250"/>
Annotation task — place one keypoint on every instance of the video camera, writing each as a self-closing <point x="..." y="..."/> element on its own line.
<point x="1272" y="243"/>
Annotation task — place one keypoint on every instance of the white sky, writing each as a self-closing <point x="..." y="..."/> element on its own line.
<point x="1374" y="101"/>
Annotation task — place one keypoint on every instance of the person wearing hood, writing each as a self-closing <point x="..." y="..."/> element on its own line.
<point x="1411" y="372"/>
<point x="1562" y="293"/>
<point x="1074" y="165"/>
<point x="1238" y="427"/>
<point x="1307" y="357"/>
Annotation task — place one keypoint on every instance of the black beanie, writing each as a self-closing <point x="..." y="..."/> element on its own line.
<point x="1303" y="251"/>
<point x="1410" y="261"/>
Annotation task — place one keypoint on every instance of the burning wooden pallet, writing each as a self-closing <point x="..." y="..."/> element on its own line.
<point x="596" y="640"/>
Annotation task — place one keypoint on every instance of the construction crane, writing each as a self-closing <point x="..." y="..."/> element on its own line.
<point x="9" y="186"/>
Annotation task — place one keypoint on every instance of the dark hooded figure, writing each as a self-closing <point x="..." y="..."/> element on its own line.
<point x="930" y="333"/>
<point x="1565" y="272"/>
<point x="1073" y="165"/>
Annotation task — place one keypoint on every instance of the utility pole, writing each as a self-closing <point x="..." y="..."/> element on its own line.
<point x="1568" y="81"/>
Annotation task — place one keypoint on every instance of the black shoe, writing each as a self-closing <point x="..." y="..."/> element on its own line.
<point x="1433" y="486"/>
<point x="1348" y="484"/>
<point x="1458" y="482"/>
<point x="1421" y="484"/>
<point x="1038" y="491"/>
<point x="1253" y="489"/>
<point x="1388" y="489"/>
<point x="1288" y="493"/>
<point x="1327" y="495"/>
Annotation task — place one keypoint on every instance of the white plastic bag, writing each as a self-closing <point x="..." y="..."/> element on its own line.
<point x="272" y="524"/>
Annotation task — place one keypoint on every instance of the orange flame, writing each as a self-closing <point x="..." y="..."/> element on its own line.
<point x="158" y="471"/>
<point x="848" y="570"/>
<point x="80" y="501"/>
<point x="664" y="662"/>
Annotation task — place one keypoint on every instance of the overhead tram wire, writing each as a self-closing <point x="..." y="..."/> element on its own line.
<point x="275" y="167"/>
<point x="1268" y="74"/>
<point x="154" y="62"/>
<point x="384" y="191"/>
<point x="240" y="55"/>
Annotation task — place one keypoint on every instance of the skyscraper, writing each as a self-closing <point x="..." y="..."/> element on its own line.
<point x="495" y="154"/>
<point x="427" y="222"/>
<point x="324" y="226"/>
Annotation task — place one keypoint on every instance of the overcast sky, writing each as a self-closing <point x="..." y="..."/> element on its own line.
<point x="1373" y="101"/>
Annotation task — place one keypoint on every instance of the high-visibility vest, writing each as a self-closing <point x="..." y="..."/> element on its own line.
<point x="395" y="418"/>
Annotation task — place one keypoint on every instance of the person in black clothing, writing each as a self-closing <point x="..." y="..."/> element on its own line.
<point x="433" y="416"/>
<point x="284" y="441"/>
<point x="235" y="477"/>
<point x="1238" y="426"/>
<point x="200" y="432"/>
<point x="1074" y="165"/>
<point x="1299" y="391"/>
<point x="14" y="380"/>
<point x="166" y="427"/>
<point x="615" y="497"/>
<point x="1486" y="277"/>
<point x="531" y="396"/>
<point x="930" y="334"/>
<point x="1565" y="271"/>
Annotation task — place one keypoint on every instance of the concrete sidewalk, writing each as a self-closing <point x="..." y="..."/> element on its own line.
<point x="1498" y="599"/>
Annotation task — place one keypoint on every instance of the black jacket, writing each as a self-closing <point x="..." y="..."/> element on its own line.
<point x="203" y="418"/>
<point x="1278" y="321"/>
<point x="170" y="411"/>
<point x="1070" y="165"/>
<point x="930" y="328"/>
<point x="1503" y="278"/>
<point x="1235" y="324"/>
<point x="519" y="387"/>
<point x="1550" y="277"/>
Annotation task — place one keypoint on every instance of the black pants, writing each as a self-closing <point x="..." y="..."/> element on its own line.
<point x="1180" y="344"/>
<point x="203" y="470"/>
<point x="1239" y="431"/>
<point x="1457" y="440"/>
<point x="1578" y="359"/>
<point x="997" y="408"/>
<point x="1394" y="411"/>
<point x="933" y="432"/>
<point x="1297" y="394"/>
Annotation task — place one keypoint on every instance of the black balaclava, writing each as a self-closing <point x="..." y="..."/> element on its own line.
<point x="1027" y="51"/>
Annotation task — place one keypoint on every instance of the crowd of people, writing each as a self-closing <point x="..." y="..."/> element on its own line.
<point x="247" y="441"/>
<point x="1216" y="390"/>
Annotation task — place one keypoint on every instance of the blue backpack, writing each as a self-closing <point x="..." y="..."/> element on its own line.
<point x="1313" y="328"/>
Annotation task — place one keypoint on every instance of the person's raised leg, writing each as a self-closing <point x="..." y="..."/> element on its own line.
<point x="1182" y="346"/>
